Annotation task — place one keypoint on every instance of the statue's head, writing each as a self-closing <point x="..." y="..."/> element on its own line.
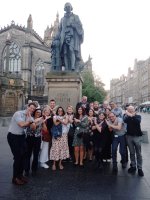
<point x="68" y="6"/>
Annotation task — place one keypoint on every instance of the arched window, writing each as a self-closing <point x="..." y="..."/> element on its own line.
<point x="13" y="55"/>
<point x="39" y="73"/>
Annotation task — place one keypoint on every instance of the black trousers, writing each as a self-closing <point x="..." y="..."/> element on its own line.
<point x="99" y="141"/>
<point x="71" y="148"/>
<point x="17" y="145"/>
<point x="33" y="146"/>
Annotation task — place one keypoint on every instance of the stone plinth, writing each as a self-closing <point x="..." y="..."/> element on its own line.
<point x="65" y="88"/>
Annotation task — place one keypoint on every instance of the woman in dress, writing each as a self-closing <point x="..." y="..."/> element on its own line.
<point x="100" y="138"/>
<point x="81" y="124"/>
<point x="59" y="150"/>
<point x="89" y="145"/>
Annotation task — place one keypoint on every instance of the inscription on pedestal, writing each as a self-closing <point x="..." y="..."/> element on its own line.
<point x="66" y="88"/>
<point x="62" y="97"/>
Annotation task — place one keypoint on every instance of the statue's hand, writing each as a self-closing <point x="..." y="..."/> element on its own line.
<point x="68" y="24"/>
<point x="73" y="25"/>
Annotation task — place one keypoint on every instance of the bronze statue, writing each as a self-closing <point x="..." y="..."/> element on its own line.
<point x="71" y="36"/>
<point x="55" y="54"/>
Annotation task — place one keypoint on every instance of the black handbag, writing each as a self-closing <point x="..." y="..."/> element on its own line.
<point x="71" y="131"/>
<point x="86" y="138"/>
<point x="80" y="135"/>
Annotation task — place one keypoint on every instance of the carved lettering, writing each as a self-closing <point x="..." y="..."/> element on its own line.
<point x="62" y="98"/>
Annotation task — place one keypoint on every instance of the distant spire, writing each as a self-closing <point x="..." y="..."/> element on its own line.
<point x="88" y="64"/>
<point x="57" y="17"/>
<point x="90" y="61"/>
<point x="48" y="35"/>
<point x="12" y="22"/>
<point x="30" y="22"/>
<point x="89" y="58"/>
<point x="56" y="25"/>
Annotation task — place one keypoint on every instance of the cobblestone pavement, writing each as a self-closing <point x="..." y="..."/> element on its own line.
<point x="74" y="183"/>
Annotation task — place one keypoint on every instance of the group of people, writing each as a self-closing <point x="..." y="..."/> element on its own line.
<point x="90" y="131"/>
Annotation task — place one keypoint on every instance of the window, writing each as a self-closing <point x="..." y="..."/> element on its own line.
<point x="13" y="54"/>
<point x="39" y="73"/>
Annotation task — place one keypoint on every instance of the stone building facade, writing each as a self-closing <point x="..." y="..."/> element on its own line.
<point x="24" y="63"/>
<point x="134" y="88"/>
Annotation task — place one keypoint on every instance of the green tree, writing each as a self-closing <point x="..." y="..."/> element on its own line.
<point x="93" y="87"/>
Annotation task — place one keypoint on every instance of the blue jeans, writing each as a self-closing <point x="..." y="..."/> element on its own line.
<point x="120" y="140"/>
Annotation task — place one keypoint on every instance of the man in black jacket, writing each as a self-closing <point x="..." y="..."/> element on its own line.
<point x="134" y="138"/>
<point x="84" y="104"/>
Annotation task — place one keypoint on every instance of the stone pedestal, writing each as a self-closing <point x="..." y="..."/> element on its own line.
<point x="65" y="88"/>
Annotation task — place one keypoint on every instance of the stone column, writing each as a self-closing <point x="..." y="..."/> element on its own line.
<point x="65" y="88"/>
<point x="7" y="55"/>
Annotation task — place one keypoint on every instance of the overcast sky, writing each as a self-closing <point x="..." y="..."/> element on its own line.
<point x="116" y="31"/>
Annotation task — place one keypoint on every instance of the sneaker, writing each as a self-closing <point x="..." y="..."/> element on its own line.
<point x="108" y="160"/>
<point x="140" y="172"/>
<point x="44" y="165"/>
<point x="132" y="170"/>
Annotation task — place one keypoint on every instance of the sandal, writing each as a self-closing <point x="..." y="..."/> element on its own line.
<point x="76" y="164"/>
<point x="53" y="167"/>
<point x="61" y="167"/>
<point x="81" y="164"/>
